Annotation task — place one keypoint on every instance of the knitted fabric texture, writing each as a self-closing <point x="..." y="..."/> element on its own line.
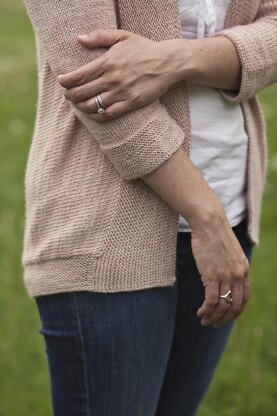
<point x="91" y="223"/>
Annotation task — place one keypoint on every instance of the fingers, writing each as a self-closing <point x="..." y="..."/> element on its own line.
<point x="246" y="288"/>
<point x="84" y="92"/>
<point x="241" y="293"/>
<point x="211" y="299"/>
<point x="103" y="37"/>
<point x="224" y="311"/>
<point x="222" y="307"/>
<point x="83" y="74"/>
<point x="114" y="111"/>
<point x="95" y="68"/>
<point x="235" y="307"/>
<point x="90" y="106"/>
<point x="116" y="105"/>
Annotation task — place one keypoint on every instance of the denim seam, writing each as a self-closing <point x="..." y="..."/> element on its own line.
<point x="83" y="352"/>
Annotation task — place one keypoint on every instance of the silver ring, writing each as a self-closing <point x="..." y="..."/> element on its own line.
<point x="100" y="105"/>
<point x="100" y="101"/>
<point x="227" y="296"/>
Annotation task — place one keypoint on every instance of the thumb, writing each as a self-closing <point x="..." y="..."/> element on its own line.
<point x="103" y="37"/>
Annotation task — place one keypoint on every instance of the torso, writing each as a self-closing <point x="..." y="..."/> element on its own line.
<point x="218" y="138"/>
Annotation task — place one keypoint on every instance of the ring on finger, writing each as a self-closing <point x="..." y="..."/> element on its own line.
<point x="227" y="296"/>
<point x="100" y="105"/>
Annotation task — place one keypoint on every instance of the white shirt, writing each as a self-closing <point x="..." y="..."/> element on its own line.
<point x="218" y="138"/>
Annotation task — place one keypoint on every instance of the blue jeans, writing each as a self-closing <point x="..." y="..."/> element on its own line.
<point x="139" y="353"/>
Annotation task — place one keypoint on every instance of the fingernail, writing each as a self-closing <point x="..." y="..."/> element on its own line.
<point x="83" y="37"/>
<point x="60" y="78"/>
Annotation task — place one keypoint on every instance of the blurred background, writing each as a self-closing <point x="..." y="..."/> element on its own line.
<point x="246" y="380"/>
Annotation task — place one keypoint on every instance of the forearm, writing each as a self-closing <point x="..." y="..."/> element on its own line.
<point x="181" y="185"/>
<point x="212" y="62"/>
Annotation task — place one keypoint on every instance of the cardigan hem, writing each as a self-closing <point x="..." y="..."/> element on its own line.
<point x="92" y="274"/>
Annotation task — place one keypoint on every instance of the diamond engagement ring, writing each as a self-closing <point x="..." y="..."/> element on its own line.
<point x="227" y="296"/>
<point x="100" y="105"/>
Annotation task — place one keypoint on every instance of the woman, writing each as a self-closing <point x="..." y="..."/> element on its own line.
<point x="143" y="194"/>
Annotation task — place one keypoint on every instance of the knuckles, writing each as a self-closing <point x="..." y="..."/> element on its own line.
<point x="109" y="114"/>
<point x="116" y="78"/>
<point x="77" y="78"/>
<point x="136" y="97"/>
<point x="213" y="302"/>
<point x="237" y="309"/>
<point x="88" y="108"/>
<point x="237" y="274"/>
<point x="223" y="306"/>
<point x="109" y="64"/>
<point x="74" y="94"/>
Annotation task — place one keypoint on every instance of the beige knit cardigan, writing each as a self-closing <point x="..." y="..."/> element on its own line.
<point x="91" y="223"/>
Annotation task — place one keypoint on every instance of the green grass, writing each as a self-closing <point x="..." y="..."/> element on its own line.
<point x="246" y="380"/>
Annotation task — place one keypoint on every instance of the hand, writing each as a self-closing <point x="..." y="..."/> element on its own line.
<point x="135" y="71"/>
<point x="223" y="266"/>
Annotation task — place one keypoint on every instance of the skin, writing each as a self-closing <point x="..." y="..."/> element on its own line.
<point x="134" y="72"/>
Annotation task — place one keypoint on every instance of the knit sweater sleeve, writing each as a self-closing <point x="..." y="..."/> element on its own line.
<point x="136" y="142"/>
<point x="256" y="44"/>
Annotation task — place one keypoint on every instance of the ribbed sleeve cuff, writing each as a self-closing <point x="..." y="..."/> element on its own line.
<point x="148" y="148"/>
<point x="255" y="57"/>
<point x="137" y="151"/>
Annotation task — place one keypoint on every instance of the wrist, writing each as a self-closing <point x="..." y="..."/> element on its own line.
<point x="207" y="215"/>
<point x="181" y="56"/>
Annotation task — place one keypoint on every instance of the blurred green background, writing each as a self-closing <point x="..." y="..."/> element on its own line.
<point x="246" y="380"/>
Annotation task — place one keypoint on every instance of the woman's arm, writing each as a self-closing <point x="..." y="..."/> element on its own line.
<point x="257" y="49"/>
<point x="217" y="252"/>
<point x="239" y="61"/>
<point x="212" y="62"/>
<point x="139" y="70"/>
